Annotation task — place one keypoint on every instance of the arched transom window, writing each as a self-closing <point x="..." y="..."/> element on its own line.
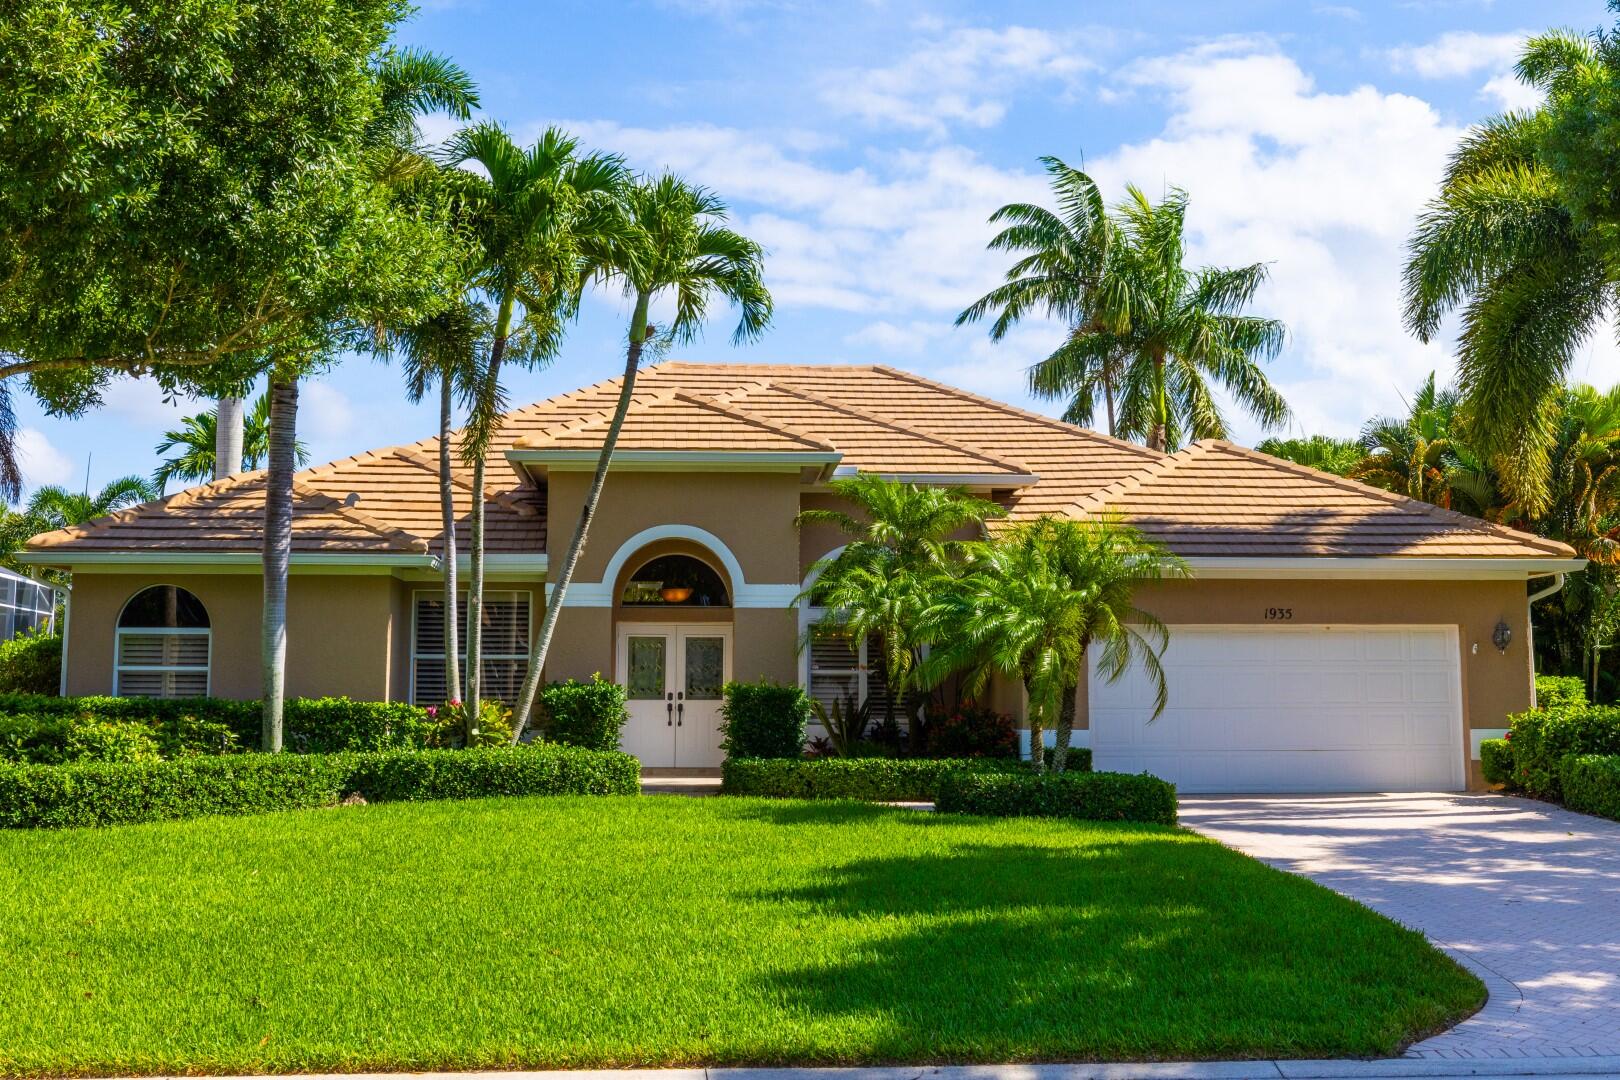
<point x="675" y="581"/>
<point x="163" y="645"/>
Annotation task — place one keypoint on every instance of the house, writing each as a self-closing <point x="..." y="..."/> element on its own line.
<point x="1334" y="637"/>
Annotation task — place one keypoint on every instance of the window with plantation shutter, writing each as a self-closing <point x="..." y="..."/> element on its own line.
<point x="163" y="644"/>
<point x="841" y="669"/>
<point x="505" y="646"/>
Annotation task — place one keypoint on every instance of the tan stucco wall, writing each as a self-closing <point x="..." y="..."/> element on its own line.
<point x="339" y="638"/>
<point x="751" y="513"/>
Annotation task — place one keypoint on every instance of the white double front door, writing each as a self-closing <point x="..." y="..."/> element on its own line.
<point x="673" y="675"/>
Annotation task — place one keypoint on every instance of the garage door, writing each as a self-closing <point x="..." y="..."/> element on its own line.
<point x="1297" y="709"/>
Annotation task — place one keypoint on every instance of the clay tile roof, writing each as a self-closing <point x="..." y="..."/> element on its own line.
<point x="677" y="420"/>
<point x="1211" y="499"/>
<point x="1214" y="499"/>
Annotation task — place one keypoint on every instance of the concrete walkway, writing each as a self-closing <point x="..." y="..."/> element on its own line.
<point x="1525" y="894"/>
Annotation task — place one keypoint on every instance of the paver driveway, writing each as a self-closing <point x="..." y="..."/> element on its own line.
<point x="1525" y="894"/>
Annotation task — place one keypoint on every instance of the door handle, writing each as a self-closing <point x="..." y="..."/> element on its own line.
<point x="680" y="711"/>
<point x="669" y="708"/>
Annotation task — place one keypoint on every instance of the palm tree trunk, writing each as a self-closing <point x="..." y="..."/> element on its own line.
<point x="475" y="528"/>
<point x="1108" y="398"/>
<point x="639" y="333"/>
<point x="278" y="510"/>
<point x="1157" y="438"/>
<point x="1065" y="731"/>
<point x="1037" y="737"/>
<point x="227" y="437"/>
<point x="447" y="508"/>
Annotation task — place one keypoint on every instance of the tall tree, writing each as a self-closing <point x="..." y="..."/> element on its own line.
<point x="1184" y="329"/>
<point x="1521" y="240"/>
<point x="176" y="203"/>
<point x="671" y="241"/>
<point x="196" y="442"/>
<point x="390" y="148"/>
<point x="902" y="539"/>
<point x="534" y="212"/>
<point x="1063" y="273"/>
<point x="444" y="351"/>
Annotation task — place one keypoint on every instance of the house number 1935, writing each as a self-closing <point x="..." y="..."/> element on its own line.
<point x="1279" y="614"/>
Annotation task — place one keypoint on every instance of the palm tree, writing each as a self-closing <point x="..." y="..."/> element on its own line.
<point x="672" y="240"/>
<point x="1062" y="273"/>
<point x="1514" y="241"/>
<point x="196" y="439"/>
<point x="1034" y="601"/>
<point x="902" y="539"/>
<point x="532" y="213"/>
<point x="1182" y="329"/>
<point x="444" y="350"/>
<point x="55" y="507"/>
<point x="1323" y="452"/>
<point x="1413" y="455"/>
<point x="408" y="83"/>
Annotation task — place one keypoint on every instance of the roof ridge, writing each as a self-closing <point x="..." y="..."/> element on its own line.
<point x="1153" y="470"/>
<point x="1394" y="498"/>
<point x="743" y="415"/>
<point x="1014" y="410"/>
<point x="895" y="425"/>
<point x="342" y="509"/>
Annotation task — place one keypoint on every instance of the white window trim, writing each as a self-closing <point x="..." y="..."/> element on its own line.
<point x="462" y="641"/>
<point x="164" y="631"/>
<point x="808" y="617"/>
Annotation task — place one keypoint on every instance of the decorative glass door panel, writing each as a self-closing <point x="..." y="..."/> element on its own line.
<point x="674" y="677"/>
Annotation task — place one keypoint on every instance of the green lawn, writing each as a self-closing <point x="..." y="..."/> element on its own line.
<point x="665" y="930"/>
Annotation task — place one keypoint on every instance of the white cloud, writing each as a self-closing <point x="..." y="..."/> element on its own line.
<point x="963" y="77"/>
<point x="1324" y="188"/>
<point x="143" y="402"/>
<point x="905" y="339"/>
<point x="42" y="464"/>
<point x="1458" y="53"/>
<point x="1510" y="93"/>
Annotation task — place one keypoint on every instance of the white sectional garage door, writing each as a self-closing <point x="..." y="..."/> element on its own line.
<point x="1257" y="709"/>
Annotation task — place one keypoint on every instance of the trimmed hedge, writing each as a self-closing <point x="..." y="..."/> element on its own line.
<point x="1592" y="784"/>
<point x="589" y="714"/>
<point x="39" y="728"/>
<point x="1560" y="691"/>
<point x="1496" y="761"/>
<point x="1543" y="737"/>
<point x="31" y="663"/>
<point x="763" y="720"/>
<point x="872" y="778"/>
<point x="1089" y="796"/>
<point x="100" y="793"/>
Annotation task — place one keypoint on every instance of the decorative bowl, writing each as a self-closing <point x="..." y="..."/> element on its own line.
<point x="675" y="594"/>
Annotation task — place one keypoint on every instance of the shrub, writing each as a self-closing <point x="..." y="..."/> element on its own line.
<point x="105" y="740"/>
<point x="1592" y="784"/>
<point x="763" y="720"/>
<point x="535" y="769"/>
<point x="31" y="663"/>
<point x="1559" y="691"/>
<point x="36" y="728"/>
<point x="1091" y="796"/>
<point x="106" y="793"/>
<point x="1542" y="738"/>
<point x="1496" y="761"/>
<point x="875" y="779"/>
<point x="969" y="731"/>
<point x="589" y="714"/>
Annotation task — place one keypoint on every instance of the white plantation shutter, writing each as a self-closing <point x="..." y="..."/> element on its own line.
<point x="841" y="669"/>
<point x="505" y="646"/>
<point x="163" y="644"/>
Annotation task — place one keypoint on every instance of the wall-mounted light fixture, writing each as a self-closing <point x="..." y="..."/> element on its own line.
<point x="1502" y="636"/>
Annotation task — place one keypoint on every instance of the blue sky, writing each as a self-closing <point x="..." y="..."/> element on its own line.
<point x="865" y="143"/>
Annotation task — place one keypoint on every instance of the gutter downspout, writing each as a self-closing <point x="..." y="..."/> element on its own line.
<point x="1530" y="627"/>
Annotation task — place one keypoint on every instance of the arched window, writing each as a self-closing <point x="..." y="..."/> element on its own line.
<point x="675" y="581"/>
<point x="163" y="645"/>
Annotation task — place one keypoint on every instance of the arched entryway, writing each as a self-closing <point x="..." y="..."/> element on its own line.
<point x="672" y="627"/>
